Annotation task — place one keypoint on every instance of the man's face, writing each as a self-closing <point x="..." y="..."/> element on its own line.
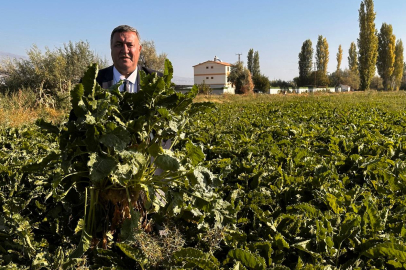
<point x="125" y="51"/>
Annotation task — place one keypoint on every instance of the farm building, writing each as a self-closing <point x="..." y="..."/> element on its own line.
<point x="343" y="88"/>
<point x="215" y="74"/>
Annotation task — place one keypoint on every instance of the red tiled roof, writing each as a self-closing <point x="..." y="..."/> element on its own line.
<point x="214" y="62"/>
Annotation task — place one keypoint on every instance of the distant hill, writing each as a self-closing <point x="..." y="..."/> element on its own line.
<point x="5" y="55"/>
<point x="182" y="80"/>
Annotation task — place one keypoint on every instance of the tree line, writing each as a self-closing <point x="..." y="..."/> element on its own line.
<point x="377" y="51"/>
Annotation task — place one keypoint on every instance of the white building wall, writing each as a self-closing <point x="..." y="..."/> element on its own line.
<point x="215" y="75"/>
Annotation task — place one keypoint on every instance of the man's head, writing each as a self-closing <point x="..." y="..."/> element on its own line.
<point x="125" y="49"/>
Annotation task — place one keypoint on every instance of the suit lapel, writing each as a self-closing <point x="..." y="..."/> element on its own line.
<point x="105" y="77"/>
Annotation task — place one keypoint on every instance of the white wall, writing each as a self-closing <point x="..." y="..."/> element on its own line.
<point x="215" y="75"/>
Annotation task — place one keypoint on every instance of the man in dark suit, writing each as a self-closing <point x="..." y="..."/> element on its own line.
<point x="125" y="51"/>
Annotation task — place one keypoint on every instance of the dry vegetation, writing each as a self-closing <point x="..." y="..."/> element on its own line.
<point x="22" y="108"/>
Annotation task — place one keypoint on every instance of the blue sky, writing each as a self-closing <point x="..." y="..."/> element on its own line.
<point x="191" y="32"/>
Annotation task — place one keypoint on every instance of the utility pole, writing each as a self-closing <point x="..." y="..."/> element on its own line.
<point x="239" y="54"/>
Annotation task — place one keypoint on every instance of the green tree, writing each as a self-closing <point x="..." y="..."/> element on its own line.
<point x="241" y="79"/>
<point x="376" y="83"/>
<point x="352" y="58"/>
<point x="339" y="57"/>
<point x="386" y="54"/>
<point x="250" y="59"/>
<point x="305" y="62"/>
<point x="397" y="74"/>
<point x="319" y="78"/>
<point x="367" y="43"/>
<point x="336" y="76"/>
<point x="255" y="67"/>
<point x="322" y="54"/>
<point x="149" y="57"/>
<point x="349" y="77"/>
<point x="261" y="82"/>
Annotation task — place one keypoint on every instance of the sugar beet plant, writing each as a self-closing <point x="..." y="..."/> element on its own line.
<point x="113" y="154"/>
<point x="112" y="183"/>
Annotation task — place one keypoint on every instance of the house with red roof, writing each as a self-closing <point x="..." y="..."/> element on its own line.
<point x="215" y="74"/>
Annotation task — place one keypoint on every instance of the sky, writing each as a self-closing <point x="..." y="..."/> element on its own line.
<point x="191" y="32"/>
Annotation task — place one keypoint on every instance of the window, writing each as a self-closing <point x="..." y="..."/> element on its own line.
<point x="207" y="78"/>
<point x="212" y="78"/>
<point x="207" y="67"/>
<point x="211" y="66"/>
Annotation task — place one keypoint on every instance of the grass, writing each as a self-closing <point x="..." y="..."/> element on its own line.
<point x="22" y="108"/>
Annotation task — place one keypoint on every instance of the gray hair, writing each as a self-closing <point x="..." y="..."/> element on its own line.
<point x="124" y="28"/>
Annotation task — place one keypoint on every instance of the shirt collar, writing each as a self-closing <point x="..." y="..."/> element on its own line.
<point x="117" y="76"/>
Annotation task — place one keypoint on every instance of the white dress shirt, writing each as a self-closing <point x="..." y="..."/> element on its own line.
<point x="131" y="80"/>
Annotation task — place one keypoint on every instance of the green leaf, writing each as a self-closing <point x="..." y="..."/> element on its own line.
<point x="80" y="226"/>
<point x="309" y="210"/>
<point x="167" y="162"/>
<point x="350" y="224"/>
<point x="249" y="260"/>
<point x="280" y="241"/>
<point x="100" y="168"/>
<point x="83" y="246"/>
<point x="392" y="251"/>
<point x="264" y="248"/>
<point x="89" y="80"/>
<point x="119" y="138"/>
<point x="168" y="72"/>
<point x="194" y="153"/>
<point x="372" y="215"/>
<point x="133" y="253"/>
<point x="47" y="126"/>
<point x="78" y="106"/>
<point x="197" y="258"/>
<point x="333" y="202"/>
<point x="155" y="149"/>
<point x="239" y="266"/>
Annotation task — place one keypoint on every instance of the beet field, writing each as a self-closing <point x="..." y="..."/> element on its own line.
<point x="255" y="182"/>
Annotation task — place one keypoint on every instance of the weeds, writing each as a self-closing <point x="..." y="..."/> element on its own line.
<point x="24" y="108"/>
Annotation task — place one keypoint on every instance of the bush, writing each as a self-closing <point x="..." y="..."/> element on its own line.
<point x="204" y="89"/>
<point x="48" y="74"/>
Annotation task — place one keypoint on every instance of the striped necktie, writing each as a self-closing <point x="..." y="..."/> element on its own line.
<point x="125" y="86"/>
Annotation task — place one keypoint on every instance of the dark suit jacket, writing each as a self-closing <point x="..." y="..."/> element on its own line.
<point x="105" y="76"/>
<point x="105" y="79"/>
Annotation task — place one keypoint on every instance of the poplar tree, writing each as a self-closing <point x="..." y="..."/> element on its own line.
<point x="352" y="58"/>
<point x="339" y="57"/>
<point x="367" y="43"/>
<point x="399" y="65"/>
<point x="305" y="62"/>
<point x="255" y="65"/>
<point x="250" y="60"/>
<point x="322" y="55"/>
<point x="386" y="54"/>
